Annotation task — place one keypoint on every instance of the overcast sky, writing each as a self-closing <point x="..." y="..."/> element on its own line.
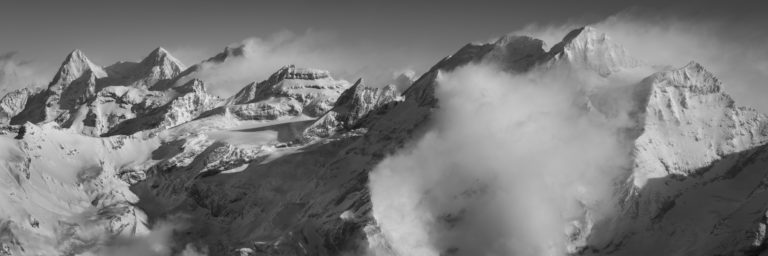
<point x="108" y="31"/>
<point x="366" y="36"/>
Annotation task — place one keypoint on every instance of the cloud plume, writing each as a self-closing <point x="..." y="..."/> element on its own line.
<point x="733" y="50"/>
<point x="15" y="73"/>
<point x="158" y="241"/>
<point x="314" y="49"/>
<point x="513" y="166"/>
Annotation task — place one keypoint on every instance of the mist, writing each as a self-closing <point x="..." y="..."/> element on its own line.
<point x="157" y="241"/>
<point x="514" y="165"/>
<point x="732" y="49"/>
<point x="344" y="58"/>
<point x="16" y="73"/>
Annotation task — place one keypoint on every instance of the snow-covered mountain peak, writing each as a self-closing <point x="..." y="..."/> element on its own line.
<point x="290" y="80"/>
<point x="690" y="122"/>
<point x="14" y="101"/>
<point x="693" y="77"/>
<point x="590" y="48"/>
<point x="74" y="66"/>
<point x="155" y="70"/>
<point x="352" y="107"/>
<point x="229" y="52"/>
<point x="289" y="91"/>
<point x="515" y="39"/>
<point x="292" y="72"/>
<point x="161" y="57"/>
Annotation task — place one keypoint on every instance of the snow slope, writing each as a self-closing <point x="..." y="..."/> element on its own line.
<point x="281" y="167"/>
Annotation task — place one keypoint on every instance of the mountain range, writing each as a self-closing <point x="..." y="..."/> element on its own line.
<point x="106" y="155"/>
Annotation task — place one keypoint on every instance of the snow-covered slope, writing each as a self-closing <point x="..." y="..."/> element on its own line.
<point x="62" y="193"/>
<point x="13" y="102"/>
<point x="138" y="110"/>
<point x="281" y="167"/>
<point x="354" y="104"/>
<point x="695" y="178"/>
<point x="289" y="92"/>
<point x="154" y="71"/>
<point x="73" y="85"/>
<point x="94" y="101"/>
<point x="591" y="49"/>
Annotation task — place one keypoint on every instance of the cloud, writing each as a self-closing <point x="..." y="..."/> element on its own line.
<point x="15" y="73"/>
<point x="403" y="79"/>
<point x="513" y="166"/>
<point x="733" y="50"/>
<point x="159" y="241"/>
<point x="346" y="59"/>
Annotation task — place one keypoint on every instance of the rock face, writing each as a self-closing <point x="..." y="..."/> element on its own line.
<point x="13" y="103"/>
<point x="695" y="145"/>
<point x="73" y="84"/>
<point x="94" y="100"/>
<point x="281" y="167"/>
<point x="174" y="107"/>
<point x="690" y="122"/>
<point x="591" y="49"/>
<point x="290" y="91"/>
<point x="355" y="104"/>
<point x="154" y="71"/>
<point x="117" y="104"/>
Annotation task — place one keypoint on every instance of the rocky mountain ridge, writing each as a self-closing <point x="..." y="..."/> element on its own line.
<point x="281" y="167"/>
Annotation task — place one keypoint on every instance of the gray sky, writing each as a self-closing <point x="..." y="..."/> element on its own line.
<point x="366" y="36"/>
<point x="108" y="31"/>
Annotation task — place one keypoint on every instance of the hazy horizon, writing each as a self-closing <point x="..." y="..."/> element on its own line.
<point x="374" y="40"/>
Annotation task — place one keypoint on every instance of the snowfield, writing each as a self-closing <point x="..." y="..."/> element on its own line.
<point x="605" y="155"/>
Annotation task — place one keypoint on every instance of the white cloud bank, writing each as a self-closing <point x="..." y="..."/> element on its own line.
<point x="15" y="73"/>
<point x="159" y="241"/>
<point x="312" y="49"/>
<point x="510" y="168"/>
<point x="734" y="51"/>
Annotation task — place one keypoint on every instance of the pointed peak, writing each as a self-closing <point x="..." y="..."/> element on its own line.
<point x="583" y="32"/>
<point x="693" y="69"/>
<point x="161" y="57"/>
<point x="75" y="65"/>
<point x="229" y="52"/>
<point x="76" y="56"/>
<point x="516" y="39"/>
<point x="194" y="85"/>
<point x="590" y="48"/>
<point x="76" y="53"/>
<point x="358" y="86"/>
<point x="694" y="66"/>
<point x="692" y="76"/>
<point x="158" y="55"/>
<point x="390" y="87"/>
<point x="159" y="51"/>
<point x="359" y="82"/>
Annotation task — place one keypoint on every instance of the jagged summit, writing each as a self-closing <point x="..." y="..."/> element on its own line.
<point x="351" y="108"/>
<point x="161" y="57"/>
<point x="155" y="70"/>
<point x="516" y="53"/>
<point x="288" y="91"/>
<point x="159" y="51"/>
<point x="291" y="72"/>
<point x="290" y="78"/>
<point x="590" y="48"/>
<point x="74" y="66"/>
<point x="191" y="86"/>
<point x="688" y="137"/>
<point x="229" y="52"/>
<point x="693" y="76"/>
